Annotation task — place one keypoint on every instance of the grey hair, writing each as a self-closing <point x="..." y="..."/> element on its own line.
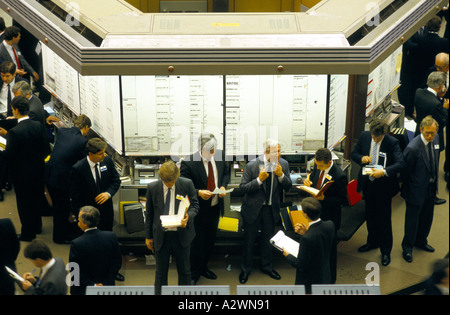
<point x="436" y="79"/>
<point x="23" y="87"/>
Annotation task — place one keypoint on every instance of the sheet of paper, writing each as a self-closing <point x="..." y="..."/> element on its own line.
<point x="280" y="241"/>
<point x="219" y="191"/>
<point x="14" y="274"/>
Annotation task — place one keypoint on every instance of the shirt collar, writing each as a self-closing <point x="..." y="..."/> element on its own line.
<point x="47" y="266"/>
<point x="314" y="222"/>
<point x="425" y="142"/>
<point x="432" y="91"/>
<point x="91" y="164"/>
<point x="22" y="119"/>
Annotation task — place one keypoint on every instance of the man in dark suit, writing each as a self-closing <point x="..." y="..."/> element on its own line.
<point x="420" y="184"/>
<point x="333" y="198"/>
<point x="427" y="102"/>
<point x="94" y="181"/>
<point x="163" y="198"/>
<point x="69" y="148"/>
<point x="9" y="51"/>
<point x="376" y="147"/>
<point x="9" y="250"/>
<point x="26" y="149"/>
<point x="208" y="170"/>
<point x="263" y="182"/>
<point x="96" y="253"/>
<point x="52" y="279"/>
<point x="37" y="111"/>
<point x="8" y="72"/>
<point x="313" y="258"/>
<point x="419" y="54"/>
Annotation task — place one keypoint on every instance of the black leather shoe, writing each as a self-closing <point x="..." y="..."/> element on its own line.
<point x="273" y="274"/>
<point x="385" y="260"/>
<point x="366" y="248"/>
<point x="243" y="277"/>
<point x="120" y="277"/>
<point x="427" y="248"/>
<point x="439" y="201"/>
<point x="208" y="274"/>
<point x="407" y="256"/>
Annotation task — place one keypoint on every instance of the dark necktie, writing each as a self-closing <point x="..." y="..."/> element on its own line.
<point x="211" y="182"/>
<point x="319" y="182"/>
<point x="97" y="177"/>
<point x="8" y="102"/>
<point x="432" y="166"/>
<point x="167" y="203"/>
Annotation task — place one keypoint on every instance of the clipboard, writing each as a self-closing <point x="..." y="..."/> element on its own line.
<point x="314" y="191"/>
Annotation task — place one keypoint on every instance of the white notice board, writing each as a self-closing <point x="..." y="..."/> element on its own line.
<point x="289" y="108"/>
<point x="61" y="79"/>
<point x="164" y="115"/>
<point x="100" y="101"/>
<point x="337" y="111"/>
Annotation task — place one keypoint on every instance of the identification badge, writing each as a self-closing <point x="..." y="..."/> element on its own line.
<point x="328" y="177"/>
<point x="103" y="168"/>
<point x="436" y="146"/>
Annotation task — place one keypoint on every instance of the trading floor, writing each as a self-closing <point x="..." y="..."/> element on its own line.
<point x="351" y="264"/>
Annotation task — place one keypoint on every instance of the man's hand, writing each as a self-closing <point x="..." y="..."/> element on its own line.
<point x="102" y="198"/>
<point x="278" y="170"/>
<point x="3" y="132"/>
<point x="205" y="194"/>
<point x="263" y="175"/>
<point x="377" y="173"/>
<point x="300" y="228"/>
<point x="222" y="195"/>
<point x="149" y="244"/>
<point x="184" y="221"/>
<point x="366" y="160"/>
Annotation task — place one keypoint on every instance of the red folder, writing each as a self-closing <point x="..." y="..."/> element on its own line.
<point x="353" y="196"/>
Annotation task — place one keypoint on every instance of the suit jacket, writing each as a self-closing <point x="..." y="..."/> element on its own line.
<point x="428" y="46"/>
<point x="83" y="188"/>
<point x="389" y="184"/>
<point x="313" y="259"/>
<point x="98" y="256"/>
<point x="155" y="208"/>
<point x="5" y="56"/>
<point x="9" y="250"/>
<point x="194" y="169"/>
<point x="37" y="111"/>
<point x="426" y="103"/>
<point x="254" y="197"/>
<point x="53" y="282"/>
<point x="27" y="147"/>
<point x="69" y="148"/>
<point x="335" y="195"/>
<point x="417" y="173"/>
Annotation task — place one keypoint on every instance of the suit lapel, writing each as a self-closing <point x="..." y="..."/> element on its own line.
<point x="88" y="174"/>
<point x="424" y="153"/>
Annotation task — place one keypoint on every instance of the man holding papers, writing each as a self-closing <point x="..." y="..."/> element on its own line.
<point x="380" y="158"/>
<point x="209" y="172"/>
<point x="312" y="260"/>
<point x="325" y="171"/>
<point x="163" y="198"/>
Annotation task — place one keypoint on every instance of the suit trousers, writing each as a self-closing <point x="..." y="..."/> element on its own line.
<point x="266" y="222"/>
<point x="171" y="246"/>
<point x="378" y="217"/>
<point x="62" y="229"/>
<point x="418" y="221"/>
<point x="205" y="223"/>
<point x="29" y="206"/>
